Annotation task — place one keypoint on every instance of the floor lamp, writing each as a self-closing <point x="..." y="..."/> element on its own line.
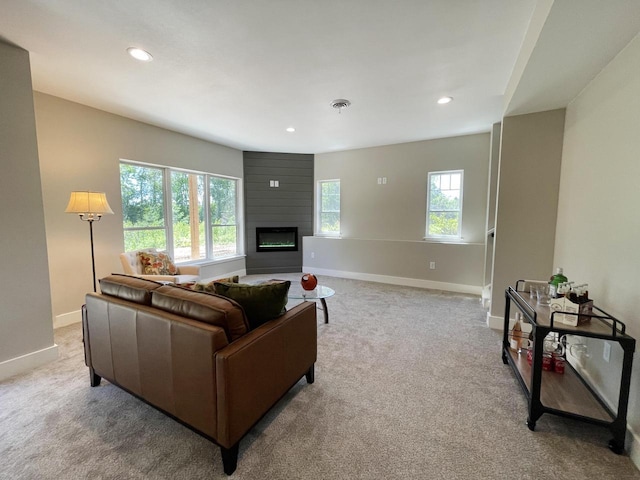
<point x="90" y="206"/>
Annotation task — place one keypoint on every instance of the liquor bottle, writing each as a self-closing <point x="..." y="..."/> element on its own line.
<point x="515" y="341"/>
<point x="582" y="293"/>
<point x="556" y="280"/>
<point x="585" y="288"/>
<point x="573" y="294"/>
<point x="563" y="288"/>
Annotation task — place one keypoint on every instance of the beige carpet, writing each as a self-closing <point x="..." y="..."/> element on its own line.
<point x="409" y="385"/>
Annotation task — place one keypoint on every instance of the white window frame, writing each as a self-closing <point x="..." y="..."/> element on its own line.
<point x="168" y="213"/>
<point x="319" y="210"/>
<point x="458" y="234"/>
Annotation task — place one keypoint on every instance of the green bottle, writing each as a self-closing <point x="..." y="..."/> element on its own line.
<point x="556" y="280"/>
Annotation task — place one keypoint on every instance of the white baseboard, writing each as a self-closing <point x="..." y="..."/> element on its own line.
<point x="67" y="319"/>
<point x="408" y="282"/>
<point x="24" y="363"/>
<point x="486" y="296"/>
<point x="240" y="273"/>
<point x="633" y="446"/>
<point x="497" y="323"/>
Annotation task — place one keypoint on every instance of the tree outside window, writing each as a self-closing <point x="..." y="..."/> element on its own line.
<point x="444" y="204"/>
<point x="143" y="208"/>
<point x="224" y="230"/>
<point x="329" y="207"/>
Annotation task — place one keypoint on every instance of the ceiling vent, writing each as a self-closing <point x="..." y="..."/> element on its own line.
<point x="340" y="103"/>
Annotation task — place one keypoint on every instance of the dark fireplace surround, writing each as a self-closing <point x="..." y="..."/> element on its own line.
<point x="276" y="239"/>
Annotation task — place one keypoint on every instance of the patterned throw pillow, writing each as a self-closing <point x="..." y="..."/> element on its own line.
<point x="157" y="264"/>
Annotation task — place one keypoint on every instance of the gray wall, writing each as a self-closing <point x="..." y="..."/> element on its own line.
<point x="376" y="219"/>
<point x="598" y="227"/>
<point x="80" y="149"/>
<point x="288" y="205"/>
<point x="529" y="178"/>
<point x="25" y="316"/>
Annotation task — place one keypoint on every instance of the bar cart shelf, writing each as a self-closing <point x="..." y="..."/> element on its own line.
<point x="567" y="395"/>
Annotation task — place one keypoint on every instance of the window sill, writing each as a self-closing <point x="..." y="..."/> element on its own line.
<point x="208" y="261"/>
<point x="448" y="241"/>
<point x="398" y="240"/>
<point x="327" y="235"/>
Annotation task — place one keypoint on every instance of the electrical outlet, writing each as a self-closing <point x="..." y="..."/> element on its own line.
<point x="313" y="254"/>
<point x="384" y="180"/>
<point x="606" y="352"/>
<point x="432" y="265"/>
<point x="379" y="180"/>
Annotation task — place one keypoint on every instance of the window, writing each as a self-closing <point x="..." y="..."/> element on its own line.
<point x="143" y="209"/>
<point x="329" y="207"/>
<point x="192" y="215"/>
<point x="187" y="216"/>
<point x="224" y="226"/>
<point x="444" y="204"/>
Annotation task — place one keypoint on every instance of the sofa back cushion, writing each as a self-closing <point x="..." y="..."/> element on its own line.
<point x="133" y="289"/>
<point x="261" y="302"/>
<point x="203" y="307"/>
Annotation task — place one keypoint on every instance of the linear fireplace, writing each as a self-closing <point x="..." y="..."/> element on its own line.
<point x="278" y="239"/>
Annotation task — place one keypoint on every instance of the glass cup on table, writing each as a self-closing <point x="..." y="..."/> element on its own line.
<point x="542" y="294"/>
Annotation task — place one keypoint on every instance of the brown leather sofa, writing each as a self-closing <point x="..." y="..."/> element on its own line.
<point x="192" y="356"/>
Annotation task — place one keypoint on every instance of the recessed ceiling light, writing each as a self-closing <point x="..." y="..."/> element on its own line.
<point x="291" y="129"/>
<point x="140" y="54"/>
<point x="444" y="100"/>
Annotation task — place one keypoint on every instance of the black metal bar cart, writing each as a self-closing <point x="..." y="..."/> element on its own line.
<point x="567" y="395"/>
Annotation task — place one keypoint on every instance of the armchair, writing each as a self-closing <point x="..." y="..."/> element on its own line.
<point x="132" y="266"/>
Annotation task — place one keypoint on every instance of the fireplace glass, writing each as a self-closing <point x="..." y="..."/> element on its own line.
<point x="278" y="239"/>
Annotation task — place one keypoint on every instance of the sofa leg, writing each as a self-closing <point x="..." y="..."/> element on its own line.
<point x="230" y="458"/>
<point x="94" y="377"/>
<point x="311" y="374"/>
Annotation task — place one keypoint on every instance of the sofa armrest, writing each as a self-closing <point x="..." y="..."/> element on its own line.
<point x="255" y="371"/>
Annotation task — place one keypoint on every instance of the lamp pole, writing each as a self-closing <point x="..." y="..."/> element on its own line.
<point x="93" y="260"/>
<point x="90" y="218"/>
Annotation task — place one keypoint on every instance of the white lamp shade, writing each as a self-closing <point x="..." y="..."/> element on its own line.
<point x="88" y="203"/>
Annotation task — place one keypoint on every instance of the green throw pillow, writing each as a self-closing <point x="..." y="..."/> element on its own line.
<point x="211" y="287"/>
<point x="261" y="303"/>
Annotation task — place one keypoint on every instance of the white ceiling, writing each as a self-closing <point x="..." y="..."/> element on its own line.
<point x="240" y="72"/>
<point x="576" y="40"/>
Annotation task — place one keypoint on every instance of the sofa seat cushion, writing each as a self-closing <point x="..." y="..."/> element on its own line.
<point x="261" y="303"/>
<point x="203" y="307"/>
<point x="126" y="287"/>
